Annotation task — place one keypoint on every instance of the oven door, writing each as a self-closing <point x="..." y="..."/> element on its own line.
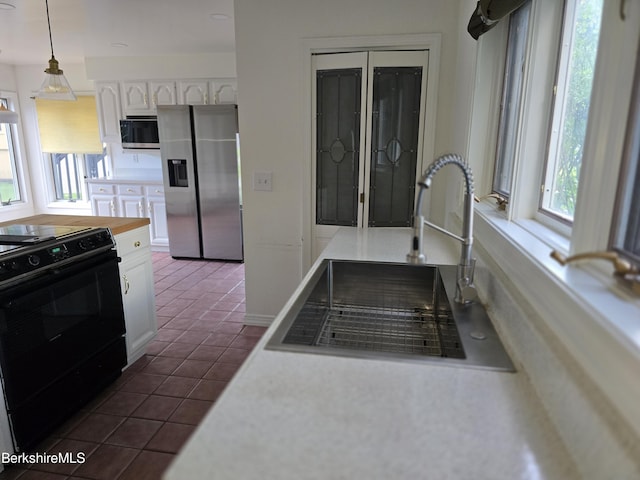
<point x="54" y="332"/>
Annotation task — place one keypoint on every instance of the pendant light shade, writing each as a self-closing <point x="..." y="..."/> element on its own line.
<point x="6" y="115"/>
<point x="55" y="85"/>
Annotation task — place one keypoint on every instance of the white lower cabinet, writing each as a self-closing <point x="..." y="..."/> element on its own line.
<point x="133" y="200"/>
<point x="138" y="296"/>
<point x="104" y="205"/>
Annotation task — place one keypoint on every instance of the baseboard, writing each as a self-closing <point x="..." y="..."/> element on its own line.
<point x="258" y="320"/>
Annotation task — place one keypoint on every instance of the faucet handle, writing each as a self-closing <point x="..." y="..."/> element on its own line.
<point x="624" y="270"/>
<point x="500" y="200"/>
<point x="621" y="266"/>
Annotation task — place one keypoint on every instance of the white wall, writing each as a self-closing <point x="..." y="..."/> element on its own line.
<point x="269" y="61"/>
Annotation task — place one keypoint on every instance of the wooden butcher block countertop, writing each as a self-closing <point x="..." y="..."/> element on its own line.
<point x="116" y="224"/>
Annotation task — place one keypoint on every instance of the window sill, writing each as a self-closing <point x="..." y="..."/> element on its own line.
<point x="590" y="313"/>
<point x="66" y="205"/>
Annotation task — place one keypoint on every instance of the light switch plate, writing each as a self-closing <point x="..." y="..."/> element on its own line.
<point x="262" y="181"/>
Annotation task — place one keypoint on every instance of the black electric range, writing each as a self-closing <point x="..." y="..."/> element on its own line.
<point x="62" y="329"/>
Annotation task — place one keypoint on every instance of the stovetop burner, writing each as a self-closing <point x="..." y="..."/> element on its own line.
<point x="32" y="234"/>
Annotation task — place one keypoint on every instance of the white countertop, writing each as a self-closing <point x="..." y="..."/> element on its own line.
<point x="295" y="416"/>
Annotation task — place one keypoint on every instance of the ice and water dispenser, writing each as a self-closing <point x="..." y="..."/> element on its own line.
<point x="177" y="169"/>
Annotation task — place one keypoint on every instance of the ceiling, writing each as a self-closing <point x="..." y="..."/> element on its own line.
<point x="93" y="28"/>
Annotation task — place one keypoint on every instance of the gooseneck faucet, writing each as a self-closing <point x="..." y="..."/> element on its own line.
<point x="465" y="290"/>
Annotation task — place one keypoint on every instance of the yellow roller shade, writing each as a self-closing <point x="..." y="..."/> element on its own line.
<point x="69" y="127"/>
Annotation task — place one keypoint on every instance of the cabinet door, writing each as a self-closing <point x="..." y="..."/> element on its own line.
<point x="224" y="92"/>
<point x="193" y="92"/>
<point x="135" y="98"/>
<point x="131" y="206"/>
<point x="136" y="281"/>
<point x="157" y="213"/>
<point x="104" y="205"/>
<point x="109" y="113"/>
<point x="138" y="301"/>
<point x="162" y="93"/>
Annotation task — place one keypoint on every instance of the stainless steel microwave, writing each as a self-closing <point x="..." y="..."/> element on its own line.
<point x="139" y="132"/>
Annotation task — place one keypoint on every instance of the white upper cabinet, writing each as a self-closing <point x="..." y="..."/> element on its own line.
<point x="194" y="92"/>
<point x="135" y="98"/>
<point x="162" y="93"/>
<point x="109" y="112"/>
<point x="142" y="97"/>
<point x="225" y="92"/>
<point x="206" y="92"/>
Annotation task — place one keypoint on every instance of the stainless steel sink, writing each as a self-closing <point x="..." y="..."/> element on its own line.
<point x="389" y="310"/>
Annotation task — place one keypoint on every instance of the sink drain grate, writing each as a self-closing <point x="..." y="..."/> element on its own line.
<point x="412" y="331"/>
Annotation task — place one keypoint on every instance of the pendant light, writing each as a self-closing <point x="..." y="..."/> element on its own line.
<point x="55" y="85"/>
<point x="6" y="115"/>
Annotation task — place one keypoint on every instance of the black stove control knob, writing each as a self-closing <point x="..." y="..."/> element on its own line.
<point x="34" y="260"/>
<point x="15" y="266"/>
<point x="83" y="245"/>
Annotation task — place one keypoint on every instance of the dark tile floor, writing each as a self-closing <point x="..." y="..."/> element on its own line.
<point x="136" y="426"/>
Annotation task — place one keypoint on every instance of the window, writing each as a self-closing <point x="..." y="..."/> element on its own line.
<point x="511" y="100"/>
<point x="576" y="64"/>
<point x="626" y="227"/>
<point x="9" y="185"/>
<point x="68" y="170"/>
<point x="70" y="139"/>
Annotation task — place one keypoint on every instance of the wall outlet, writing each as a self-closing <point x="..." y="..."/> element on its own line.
<point x="262" y="181"/>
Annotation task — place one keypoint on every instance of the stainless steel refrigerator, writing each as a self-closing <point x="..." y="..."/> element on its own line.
<point x="200" y="169"/>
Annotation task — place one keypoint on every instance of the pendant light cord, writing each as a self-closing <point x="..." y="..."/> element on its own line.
<point x="46" y="2"/>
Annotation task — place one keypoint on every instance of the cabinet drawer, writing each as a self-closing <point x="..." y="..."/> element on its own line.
<point x="129" y="189"/>
<point x="154" y="191"/>
<point x="102" y="188"/>
<point x="133" y="241"/>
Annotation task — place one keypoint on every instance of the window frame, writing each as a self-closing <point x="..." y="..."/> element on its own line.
<point x="21" y="164"/>
<point x="82" y="175"/>
<point x="12" y="140"/>
<point x="557" y="119"/>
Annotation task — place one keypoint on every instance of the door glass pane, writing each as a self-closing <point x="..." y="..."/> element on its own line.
<point x="394" y="145"/>
<point x="338" y="144"/>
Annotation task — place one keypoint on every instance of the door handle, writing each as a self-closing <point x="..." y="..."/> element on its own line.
<point x="126" y="284"/>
